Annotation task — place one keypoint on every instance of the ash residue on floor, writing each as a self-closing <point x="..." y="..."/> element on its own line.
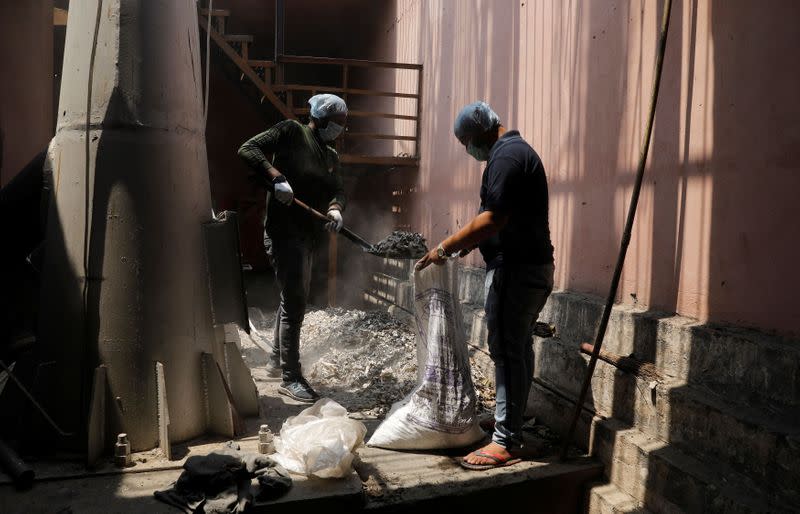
<point x="365" y="360"/>
<point x="402" y="245"/>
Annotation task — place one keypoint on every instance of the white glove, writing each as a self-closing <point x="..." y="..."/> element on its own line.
<point x="284" y="193"/>
<point x="336" y="222"/>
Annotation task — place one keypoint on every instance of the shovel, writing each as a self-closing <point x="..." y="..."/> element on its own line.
<point x="346" y="232"/>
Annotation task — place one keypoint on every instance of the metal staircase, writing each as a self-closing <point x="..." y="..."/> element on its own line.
<point x="289" y="100"/>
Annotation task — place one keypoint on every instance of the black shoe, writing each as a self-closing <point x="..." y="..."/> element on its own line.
<point x="298" y="390"/>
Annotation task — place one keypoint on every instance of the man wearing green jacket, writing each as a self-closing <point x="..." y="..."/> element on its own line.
<point x="291" y="158"/>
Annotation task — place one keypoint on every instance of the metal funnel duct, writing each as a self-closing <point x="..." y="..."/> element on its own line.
<point x="126" y="320"/>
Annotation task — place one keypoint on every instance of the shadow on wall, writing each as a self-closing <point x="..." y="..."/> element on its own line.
<point x="468" y="53"/>
<point x="711" y="239"/>
<point x="754" y="251"/>
<point x="752" y="259"/>
<point x="733" y="414"/>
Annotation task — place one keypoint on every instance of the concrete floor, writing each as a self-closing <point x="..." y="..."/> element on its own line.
<point x="385" y="481"/>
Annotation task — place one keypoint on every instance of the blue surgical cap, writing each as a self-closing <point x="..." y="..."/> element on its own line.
<point x="325" y="106"/>
<point x="475" y="119"/>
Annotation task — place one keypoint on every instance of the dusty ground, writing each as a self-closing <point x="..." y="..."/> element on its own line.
<point x="364" y="360"/>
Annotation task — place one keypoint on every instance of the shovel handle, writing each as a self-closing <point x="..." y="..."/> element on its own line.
<point x="346" y="232"/>
<point x="312" y="211"/>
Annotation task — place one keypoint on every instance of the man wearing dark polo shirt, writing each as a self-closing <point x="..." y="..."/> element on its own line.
<point x="513" y="234"/>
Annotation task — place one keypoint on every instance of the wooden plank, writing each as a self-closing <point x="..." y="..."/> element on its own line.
<point x="368" y="135"/>
<point x="419" y="114"/>
<point x="329" y="89"/>
<point x="280" y="31"/>
<point x="365" y="114"/>
<point x="259" y="63"/>
<point x="216" y="12"/>
<point x="303" y="59"/>
<point x="238" y="38"/>
<point x="345" y="78"/>
<point x="237" y="59"/>
<point x="379" y="161"/>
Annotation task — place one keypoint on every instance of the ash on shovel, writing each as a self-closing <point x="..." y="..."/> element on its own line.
<point x="401" y="245"/>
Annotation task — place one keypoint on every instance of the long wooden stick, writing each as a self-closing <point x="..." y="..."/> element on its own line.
<point x="626" y="235"/>
<point x="346" y="232"/>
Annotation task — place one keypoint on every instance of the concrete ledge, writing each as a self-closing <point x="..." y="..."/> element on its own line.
<point x="666" y="479"/>
<point x="428" y="482"/>
<point x="656" y="473"/>
<point x="752" y="365"/>
<point x="471" y="285"/>
<point x="608" y="499"/>
<point x="757" y="367"/>
<point x="758" y="442"/>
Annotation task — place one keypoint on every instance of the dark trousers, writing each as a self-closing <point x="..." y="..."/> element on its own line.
<point x="291" y="257"/>
<point x="514" y="298"/>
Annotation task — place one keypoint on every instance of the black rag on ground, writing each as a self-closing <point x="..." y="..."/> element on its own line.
<point x="221" y="482"/>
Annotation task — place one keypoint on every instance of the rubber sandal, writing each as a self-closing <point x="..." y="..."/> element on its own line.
<point x="499" y="462"/>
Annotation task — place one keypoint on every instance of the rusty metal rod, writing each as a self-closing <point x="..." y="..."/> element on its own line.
<point x="626" y="235"/>
<point x="34" y="402"/>
<point x="629" y="364"/>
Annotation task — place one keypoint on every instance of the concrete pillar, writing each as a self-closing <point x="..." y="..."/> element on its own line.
<point x="125" y="282"/>
<point x="26" y="82"/>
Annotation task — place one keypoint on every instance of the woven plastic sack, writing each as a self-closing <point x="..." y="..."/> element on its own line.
<point x="441" y="411"/>
<point x="320" y="441"/>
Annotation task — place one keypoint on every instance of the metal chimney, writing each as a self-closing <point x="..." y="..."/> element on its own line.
<point x="126" y="325"/>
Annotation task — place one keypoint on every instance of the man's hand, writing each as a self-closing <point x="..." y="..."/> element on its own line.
<point x="283" y="191"/>
<point x="337" y="222"/>
<point x="431" y="258"/>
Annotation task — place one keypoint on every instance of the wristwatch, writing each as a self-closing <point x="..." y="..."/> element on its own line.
<point x="441" y="253"/>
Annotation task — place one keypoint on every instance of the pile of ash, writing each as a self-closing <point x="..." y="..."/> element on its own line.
<point x="364" y="360"/>
<point x="402" y="245"/>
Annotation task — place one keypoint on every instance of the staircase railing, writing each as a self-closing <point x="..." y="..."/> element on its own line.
<point x="241" y="58"/>
<point x="268" y="77"/>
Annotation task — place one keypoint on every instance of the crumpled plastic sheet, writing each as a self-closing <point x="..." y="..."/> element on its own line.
<point x="320" y="441"/>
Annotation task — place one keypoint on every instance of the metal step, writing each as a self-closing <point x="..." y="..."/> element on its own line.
<point x="216" y="12"/>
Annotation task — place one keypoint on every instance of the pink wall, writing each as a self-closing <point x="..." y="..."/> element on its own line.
<point x="715" y="236"/>
<point x="26" y="82"/>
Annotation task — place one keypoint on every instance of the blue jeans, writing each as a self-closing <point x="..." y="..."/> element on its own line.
<point x="514" y="297"/>
<point x="291" y="257"/>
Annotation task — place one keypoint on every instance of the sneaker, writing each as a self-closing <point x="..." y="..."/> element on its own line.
<point x="298" y="390"/>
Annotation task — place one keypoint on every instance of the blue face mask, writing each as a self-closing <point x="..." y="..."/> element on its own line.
<point x="480" y="153"/>
<point x="331" y="132"/>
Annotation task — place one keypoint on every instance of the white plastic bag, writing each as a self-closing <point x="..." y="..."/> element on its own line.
<point x="441" y="411"/>
<point x="319" y="441"/>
